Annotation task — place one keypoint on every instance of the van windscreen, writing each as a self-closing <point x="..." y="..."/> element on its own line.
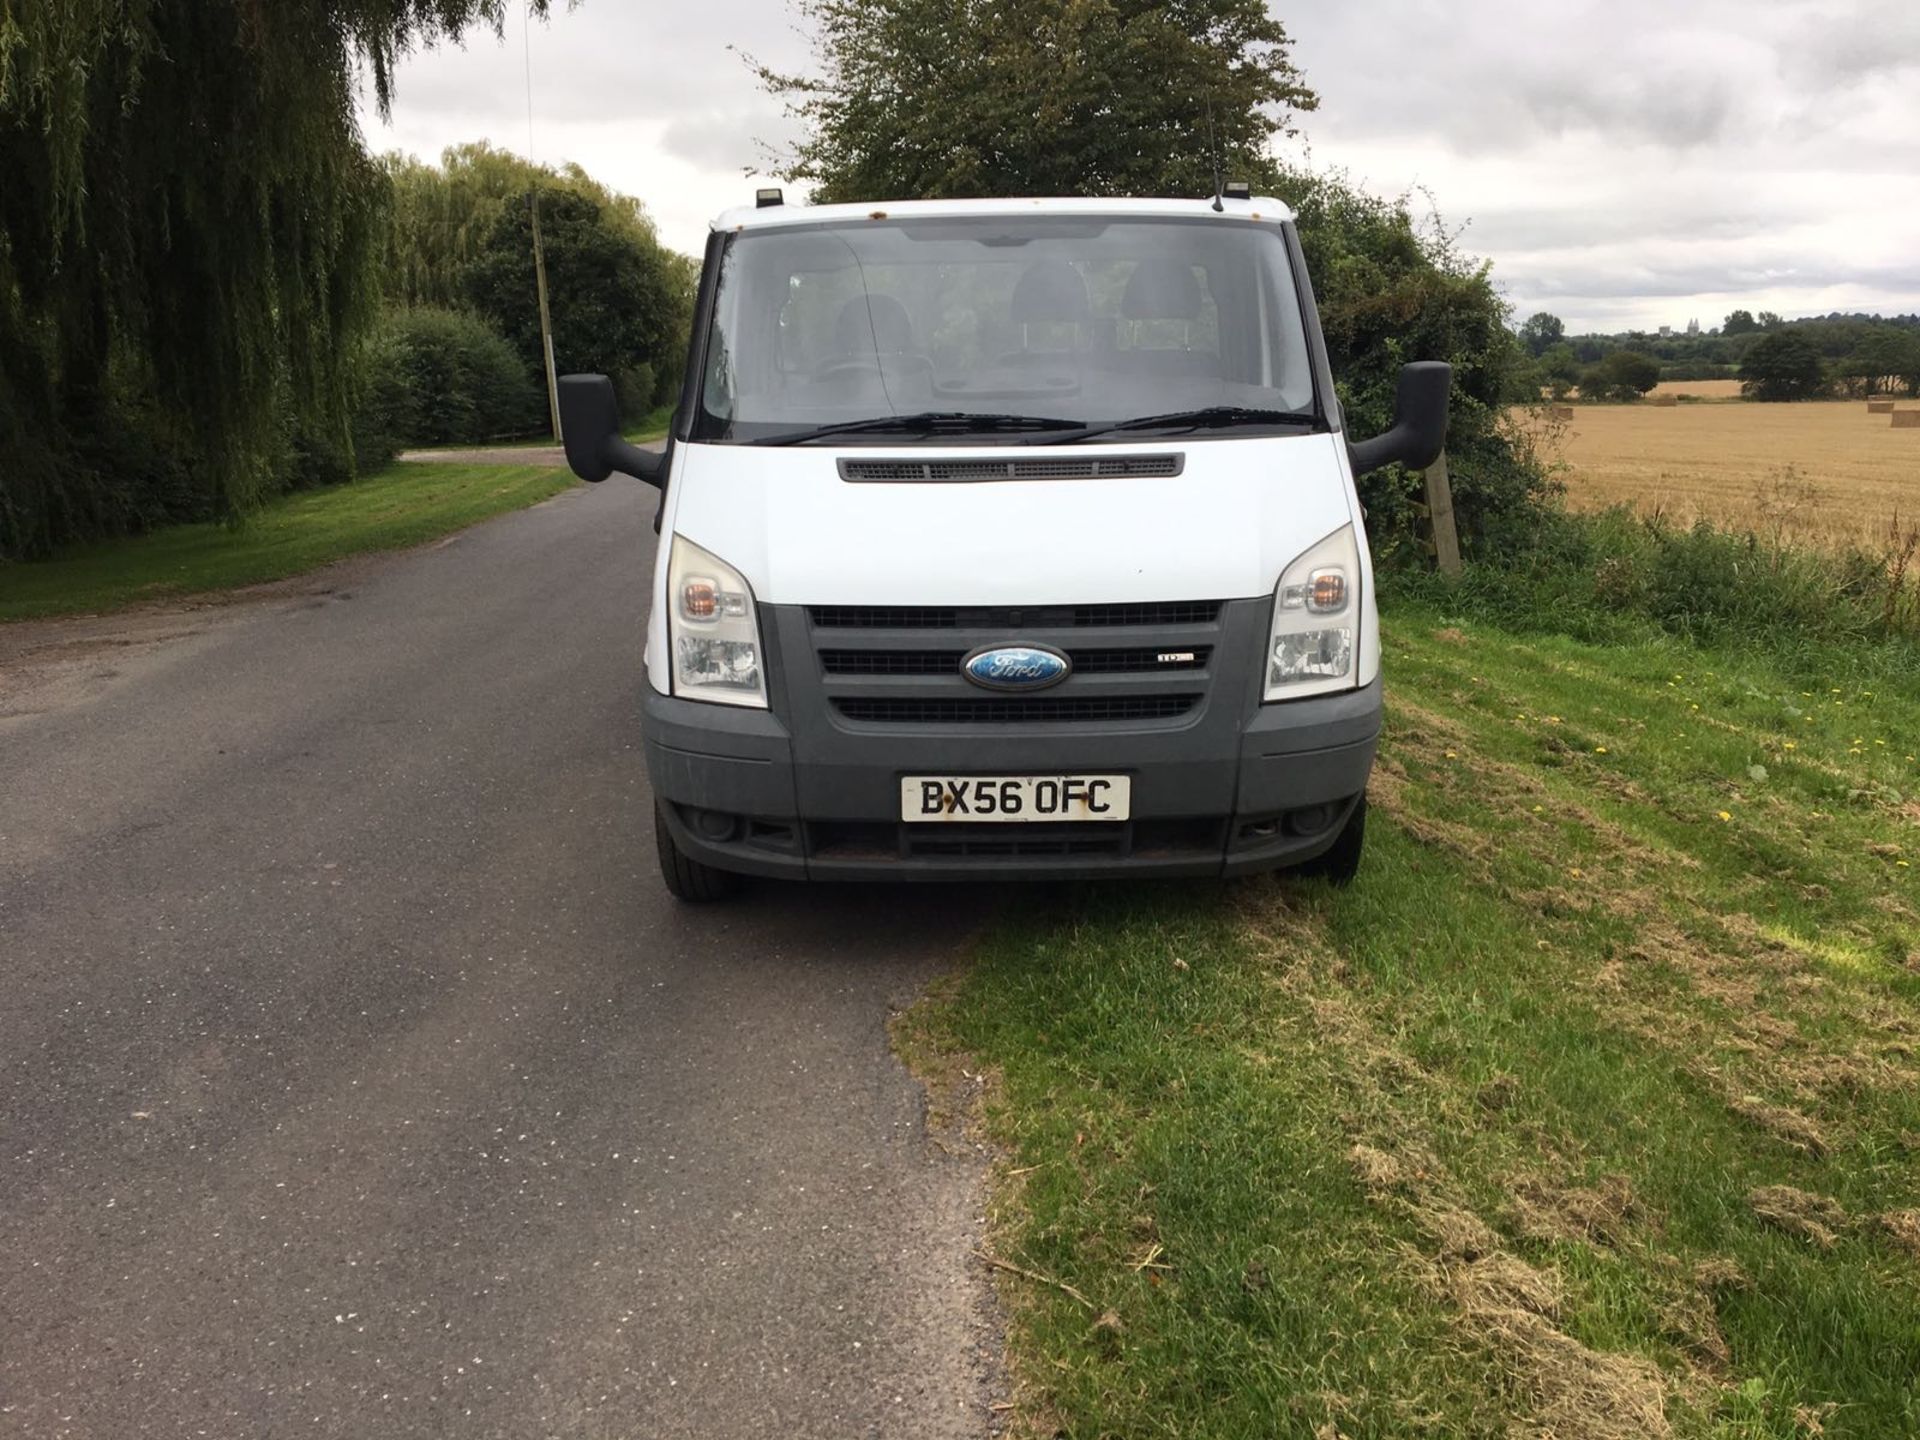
<point x="1086" y="321"/>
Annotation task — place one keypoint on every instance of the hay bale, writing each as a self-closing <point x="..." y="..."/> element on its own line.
<point x="1905" y="419"/>
<point x="1879" y="407"/>
<point x="1560" y="412"/>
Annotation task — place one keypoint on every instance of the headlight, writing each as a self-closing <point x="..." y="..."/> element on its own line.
<point x="1316" y="621"/>
<point x="712" y="630"/>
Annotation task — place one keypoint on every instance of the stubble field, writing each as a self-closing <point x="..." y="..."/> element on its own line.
<point x="1823" y="473"/>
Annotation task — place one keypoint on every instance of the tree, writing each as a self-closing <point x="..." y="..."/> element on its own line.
<point x="618" y="303"/>
<point x="1559" y="370"/>
<point x="187" y="228"/>
<point x="459" y="235"/>
<point x="1740" y="322"/>
<point x="919" y="99"/>
<point x="1541" y="331"/>
<point x="1768" y="320"/>
<point x="1910" y="365"/>
<point x="1782" y="365"/>
<point x="1622" y="375"/>
<point x="1883" y="358"/>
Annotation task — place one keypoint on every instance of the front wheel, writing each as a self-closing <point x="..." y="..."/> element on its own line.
<point x="688" y="879"/>
<point x="1341" y="863"/>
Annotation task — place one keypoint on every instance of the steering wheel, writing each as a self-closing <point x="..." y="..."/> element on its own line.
<point x="899" y="362"/>
<point x="849" y="367"/>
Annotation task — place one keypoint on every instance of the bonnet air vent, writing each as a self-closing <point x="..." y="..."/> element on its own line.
<point x="1101" y="467"/>
<point x="950" y="617"/>
<point x="1010" y="709"/>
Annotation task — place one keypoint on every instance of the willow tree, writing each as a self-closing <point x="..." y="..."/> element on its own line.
<point x="441" y="217"/>
<point x="188" y="225"/>
<point x="942" y="98"/>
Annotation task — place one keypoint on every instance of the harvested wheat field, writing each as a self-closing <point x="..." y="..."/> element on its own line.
<point x="1699" y="389"/>
<point x="1821" y="472"/>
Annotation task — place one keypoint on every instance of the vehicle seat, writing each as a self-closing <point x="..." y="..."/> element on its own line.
<point x="873" y="328"/>
<point x="1162" y="290"/>
<point x="1051" y="295"/>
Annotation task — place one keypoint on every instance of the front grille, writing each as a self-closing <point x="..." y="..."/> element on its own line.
<point x="849" y="840"/>
<point x="1176" y="612"/>
<point x="1131" y="661"/>
<point x="1010" y="710"/>
<point x="1151" y="660"/>
<point x="949" y="617"/>
<point x="891" y="662"/>
<point x="1006" y="844"/>
<point x="1140" y="662"/>
<point x="1092" y="467"/>
<point x="885" y="617"/>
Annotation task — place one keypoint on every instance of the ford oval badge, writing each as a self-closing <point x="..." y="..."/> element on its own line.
<point x="1016" y="667"/>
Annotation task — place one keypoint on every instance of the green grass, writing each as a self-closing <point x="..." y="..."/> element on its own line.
<point x="405" y="504"/>
<point x="460" y="447"/>
<point x="1443" y="1154"/>
<point x="651" y="426"/>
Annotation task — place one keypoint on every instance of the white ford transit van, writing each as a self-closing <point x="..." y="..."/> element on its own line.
<point x="1008" y="539"/>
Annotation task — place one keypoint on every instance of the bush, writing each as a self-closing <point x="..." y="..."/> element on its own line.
<point x="634" y="390"/>
<point x="1390" y="292"/>
<point x="442" y="377"/>
<point x="1602" y="577"/>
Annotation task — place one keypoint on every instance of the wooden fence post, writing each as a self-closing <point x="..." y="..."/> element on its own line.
<point x="1446" y="538"/>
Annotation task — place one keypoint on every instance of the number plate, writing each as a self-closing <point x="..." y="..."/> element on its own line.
<point x="1003" y="798"/>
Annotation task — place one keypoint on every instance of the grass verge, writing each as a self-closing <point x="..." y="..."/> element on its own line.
<point x="649" y="427"/>
<point x="400" y="506"/>
<point x="1590" y="1110"/>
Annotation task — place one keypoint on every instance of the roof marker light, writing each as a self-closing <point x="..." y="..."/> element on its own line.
<point x="770" y="195"/>
<point x="1238" y="190"/>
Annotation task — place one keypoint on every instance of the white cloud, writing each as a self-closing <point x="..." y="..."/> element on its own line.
<point x="651" y="99"/>
<point x="1627" y="163"/>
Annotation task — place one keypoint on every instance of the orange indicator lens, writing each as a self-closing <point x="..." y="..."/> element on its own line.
<point x="699" y="600"/>
<point x="1329" y="591"/>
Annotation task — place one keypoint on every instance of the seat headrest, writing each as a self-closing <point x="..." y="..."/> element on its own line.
<point x="870" y="324"/>
<point x="1161" y="290"/>
<point x="1051" y="291"/>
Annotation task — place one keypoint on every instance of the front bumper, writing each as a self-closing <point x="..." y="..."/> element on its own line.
<point x="1239" y="789"/>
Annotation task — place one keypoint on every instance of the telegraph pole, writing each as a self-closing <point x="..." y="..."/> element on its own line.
<point x="539" y="250"/>
<point x="546" y="323"/>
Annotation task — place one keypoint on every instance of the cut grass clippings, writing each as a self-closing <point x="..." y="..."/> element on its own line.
<point x="1590" y="1110"/>
<point x="403" y="505"/>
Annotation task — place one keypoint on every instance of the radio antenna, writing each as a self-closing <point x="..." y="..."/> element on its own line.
<point x="1213" y="144"/>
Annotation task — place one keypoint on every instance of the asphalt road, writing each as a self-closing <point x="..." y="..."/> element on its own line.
<point x="358" y="1078"/>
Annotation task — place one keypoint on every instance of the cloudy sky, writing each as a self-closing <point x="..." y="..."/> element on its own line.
<point x="1622" y="164"/>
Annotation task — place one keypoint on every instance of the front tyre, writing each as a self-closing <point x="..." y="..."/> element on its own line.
<point x="688" y="879"/>
<point x="1340" y="864"/>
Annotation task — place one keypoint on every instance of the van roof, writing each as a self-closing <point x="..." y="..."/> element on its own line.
<point x="748" y="217"/>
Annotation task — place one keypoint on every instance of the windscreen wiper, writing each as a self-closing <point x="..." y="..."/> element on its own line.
<point x="926" y="422"/>
<point x="1207" y="418"/>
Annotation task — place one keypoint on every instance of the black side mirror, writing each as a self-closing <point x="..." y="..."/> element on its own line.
<point x="1419" y="430"/>
<point x="590" y="429"/>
